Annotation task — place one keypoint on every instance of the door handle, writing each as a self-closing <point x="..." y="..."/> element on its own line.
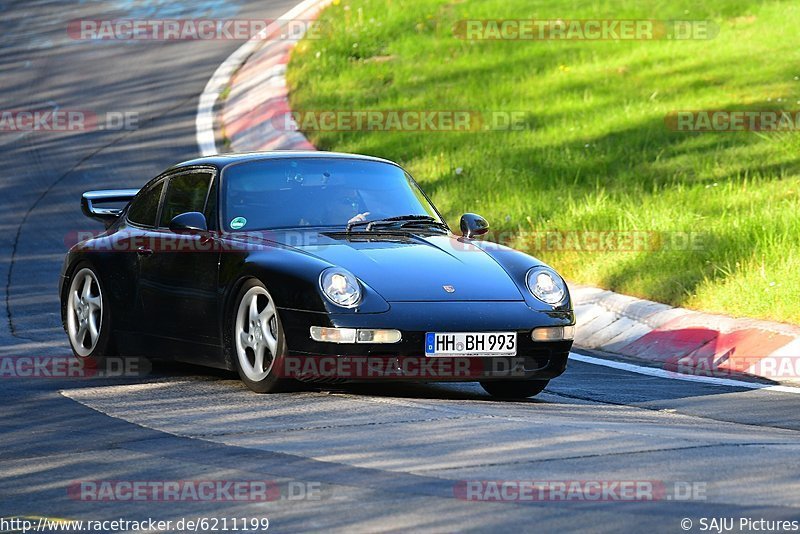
<point x="144" y="251"/>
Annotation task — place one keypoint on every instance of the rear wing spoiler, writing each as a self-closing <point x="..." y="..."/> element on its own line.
<point x="91" y="201"/>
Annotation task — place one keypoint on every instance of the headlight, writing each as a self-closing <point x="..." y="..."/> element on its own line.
<point x="340" y="287"/>
<point x="546" y="285"/>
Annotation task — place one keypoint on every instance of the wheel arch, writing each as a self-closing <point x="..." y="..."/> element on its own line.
<point x="230" y="302"/>
<point x="69" y="271"/>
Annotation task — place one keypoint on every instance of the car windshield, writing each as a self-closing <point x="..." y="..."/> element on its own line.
<point x="328" y="192"/>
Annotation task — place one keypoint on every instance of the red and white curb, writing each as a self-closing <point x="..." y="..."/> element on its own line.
<point x="681" y="343"/>
<point x="257" y="90"/>
<point x="685" y="341"/>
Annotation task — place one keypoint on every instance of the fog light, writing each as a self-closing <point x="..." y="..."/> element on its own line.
<point x="553" y="333"/>
<point x="352" y="335"/>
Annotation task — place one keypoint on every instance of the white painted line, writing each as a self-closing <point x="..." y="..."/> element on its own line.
<point x="204" y="122"/>
<point x="663" y="373"/>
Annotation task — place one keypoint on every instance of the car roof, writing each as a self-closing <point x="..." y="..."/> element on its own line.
<point x="223" y="160"/>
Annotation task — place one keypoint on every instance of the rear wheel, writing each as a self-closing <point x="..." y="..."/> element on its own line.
<point x="258" y="339"/>
<point x="88" y="317"/>
<point x="514" y="389"/>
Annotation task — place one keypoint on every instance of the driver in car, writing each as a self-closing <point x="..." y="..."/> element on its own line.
<point x="344" y="205"/>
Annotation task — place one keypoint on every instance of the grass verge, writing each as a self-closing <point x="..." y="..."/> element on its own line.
<point x="592" y="152"/>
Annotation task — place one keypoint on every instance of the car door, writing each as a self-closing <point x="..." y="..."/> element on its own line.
<point x="129" y="246"/>
<point x="178" y="276"/>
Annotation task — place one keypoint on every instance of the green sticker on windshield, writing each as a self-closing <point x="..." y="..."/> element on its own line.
<point x="238" y="222"/>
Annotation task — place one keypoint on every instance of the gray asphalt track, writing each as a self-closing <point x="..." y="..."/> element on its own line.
<point x="383" y="457"/>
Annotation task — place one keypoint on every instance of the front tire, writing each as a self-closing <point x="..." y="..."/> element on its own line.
<point x="514" y="389"/>
<point x="259" y="343"/>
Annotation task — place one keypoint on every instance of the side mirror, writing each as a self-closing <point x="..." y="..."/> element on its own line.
<point x="191" y="221"/>
<point x="472" y="225"/>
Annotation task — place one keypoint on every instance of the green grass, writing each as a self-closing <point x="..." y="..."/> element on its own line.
<point x="595" y="153"/>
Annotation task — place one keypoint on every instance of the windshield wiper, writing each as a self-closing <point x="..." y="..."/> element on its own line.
<point x="398" y="222"/>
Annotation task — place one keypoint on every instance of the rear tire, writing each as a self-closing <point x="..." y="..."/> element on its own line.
<point x="514" y="389"/>
<point x="88" y="316"/>
<point x="258" y="344"/>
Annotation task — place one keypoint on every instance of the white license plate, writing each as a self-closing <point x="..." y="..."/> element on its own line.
<point x="471" y="344"/>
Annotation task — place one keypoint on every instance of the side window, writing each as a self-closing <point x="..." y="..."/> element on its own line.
<point x="144" y="207"/>
<point x="185" y="192"/>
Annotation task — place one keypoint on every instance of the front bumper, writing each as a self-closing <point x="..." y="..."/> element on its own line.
<point x="406" y="361"/>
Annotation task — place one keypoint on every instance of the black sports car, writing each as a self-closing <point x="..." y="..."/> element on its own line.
<point x="310" y="266"/>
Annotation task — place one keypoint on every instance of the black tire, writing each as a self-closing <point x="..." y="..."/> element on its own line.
<point x="514" y="389"/>
<point x="272" y="382"/>
<point x="104" y="347"/>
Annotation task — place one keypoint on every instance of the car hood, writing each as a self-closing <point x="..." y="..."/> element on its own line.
<point x="407" y="268"/>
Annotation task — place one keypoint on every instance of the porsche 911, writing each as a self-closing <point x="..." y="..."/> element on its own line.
<point x="291" y="267"/>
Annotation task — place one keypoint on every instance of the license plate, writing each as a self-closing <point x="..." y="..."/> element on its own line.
<point x="471" y="344"/>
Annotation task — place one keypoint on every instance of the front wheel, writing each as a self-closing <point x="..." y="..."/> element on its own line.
<point x="514" y="389"/>
<point x="258" y="339"/>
